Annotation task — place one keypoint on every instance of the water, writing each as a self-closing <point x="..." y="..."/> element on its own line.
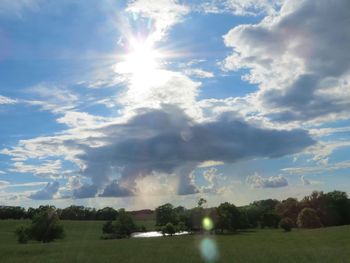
<point x="156" y="234"/>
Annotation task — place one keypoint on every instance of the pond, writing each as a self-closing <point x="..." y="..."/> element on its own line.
<point x="156" y="234"/>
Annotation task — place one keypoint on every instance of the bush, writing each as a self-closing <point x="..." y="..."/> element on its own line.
<point x="286" y="224"/>
<point x="308" y="218"/>
<point x="122" y="227"/>
<point x="22" y="233"/>
<point x="169" y="229"/>
<point x="45" y="227"/>
<point x="107" y="227"/>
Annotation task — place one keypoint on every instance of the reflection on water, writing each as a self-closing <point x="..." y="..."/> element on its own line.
<point x="156" y="234"/>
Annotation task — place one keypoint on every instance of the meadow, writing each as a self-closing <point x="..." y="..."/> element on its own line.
<point x="83" y="244"/>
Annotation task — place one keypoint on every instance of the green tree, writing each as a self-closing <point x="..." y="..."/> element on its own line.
<point x="122" y="227"/>
<point x="270" y="220"/>
<point x="308" y="218"/>
<point x="228" y="217"/>
<point x="201" y="202"/>
<point x="165" y="214"/>
<point x="169" y="229"/>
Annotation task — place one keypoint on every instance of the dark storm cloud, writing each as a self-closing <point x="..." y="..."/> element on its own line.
<point x="46" y="193"/>
<point x="165" y="140"/>
<point x="85" y="191"/>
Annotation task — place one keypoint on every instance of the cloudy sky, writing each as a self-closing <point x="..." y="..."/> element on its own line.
<point x="137" y="103"/>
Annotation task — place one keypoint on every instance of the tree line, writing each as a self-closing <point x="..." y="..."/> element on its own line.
<point x="316" y="210"/>
<point x="330" y="209"/>
<point x="69" y="213"/>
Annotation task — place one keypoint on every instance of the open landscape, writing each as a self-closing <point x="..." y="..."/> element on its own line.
<point x="175" y="131"/>
<point x="83" y="244"/>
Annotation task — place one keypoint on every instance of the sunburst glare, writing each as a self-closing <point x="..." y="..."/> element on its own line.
<point x="141" y="64"/>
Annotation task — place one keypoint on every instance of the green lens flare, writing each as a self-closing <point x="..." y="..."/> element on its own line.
<point x="207" y="223"/>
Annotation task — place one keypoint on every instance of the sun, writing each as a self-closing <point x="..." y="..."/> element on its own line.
<point x="141" y="64"/>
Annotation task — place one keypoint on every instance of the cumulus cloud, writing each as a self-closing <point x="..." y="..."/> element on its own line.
<point x="299" y="58"/>
<point x="47" y="193"/>
<point x="257" y="181"/>
<point x="168" y="141"/>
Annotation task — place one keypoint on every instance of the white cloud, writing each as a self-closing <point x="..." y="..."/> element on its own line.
<point x="47" y="169"/>
<point x="239" y="7"/>
<point x="31" y="184"/>
<point x="199" y="73"/>
<point x="318" y="169"/>
<point x="174" y="88"/>
<point x="257" y="181"/>
<point x="299" y="58"/>
<point x="53" y="98"/>
<point x="82" y="120"/>
<point x="164" y="13"/>
<point x="7" y="100"/>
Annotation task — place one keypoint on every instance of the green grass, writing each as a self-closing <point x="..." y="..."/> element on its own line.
<point x="82" y="244"/>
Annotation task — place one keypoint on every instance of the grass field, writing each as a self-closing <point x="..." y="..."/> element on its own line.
<point x="82" y="244"/>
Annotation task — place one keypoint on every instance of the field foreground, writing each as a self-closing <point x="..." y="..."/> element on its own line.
<point x="82" y="244"/>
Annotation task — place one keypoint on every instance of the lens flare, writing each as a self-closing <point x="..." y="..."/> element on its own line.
<point x="209" y="250"/>
<point x="207" y="223"/>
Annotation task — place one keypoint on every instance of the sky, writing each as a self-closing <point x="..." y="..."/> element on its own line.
<point x="137" y="103"/>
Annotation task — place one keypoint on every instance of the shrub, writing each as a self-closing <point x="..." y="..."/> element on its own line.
<point x="46" y="226"/>
<point x="308" y="218"/>
<point x="22" y="233"/>
<point x="286" y="224"/>
<point x="107" y="227"/>
<point x="122" y="227"/>
<point x="169" y="229"/>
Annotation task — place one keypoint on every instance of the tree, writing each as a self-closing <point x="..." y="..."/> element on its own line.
<point x="165" y="214"/>
<point x="107" y="213"/>
<point x="289" y="208"/>
<point x="308" y="218"/>
<point x="287" y="224"/>
<point x="169" y="229"/>
<point x="270" y="220"/>
<point x="228" y="217"/>
<point x="201" y="202"/>
<point x="122" y="227"/>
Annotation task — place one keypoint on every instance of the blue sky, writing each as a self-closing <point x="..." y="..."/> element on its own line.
<point x="137" y="103"/>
